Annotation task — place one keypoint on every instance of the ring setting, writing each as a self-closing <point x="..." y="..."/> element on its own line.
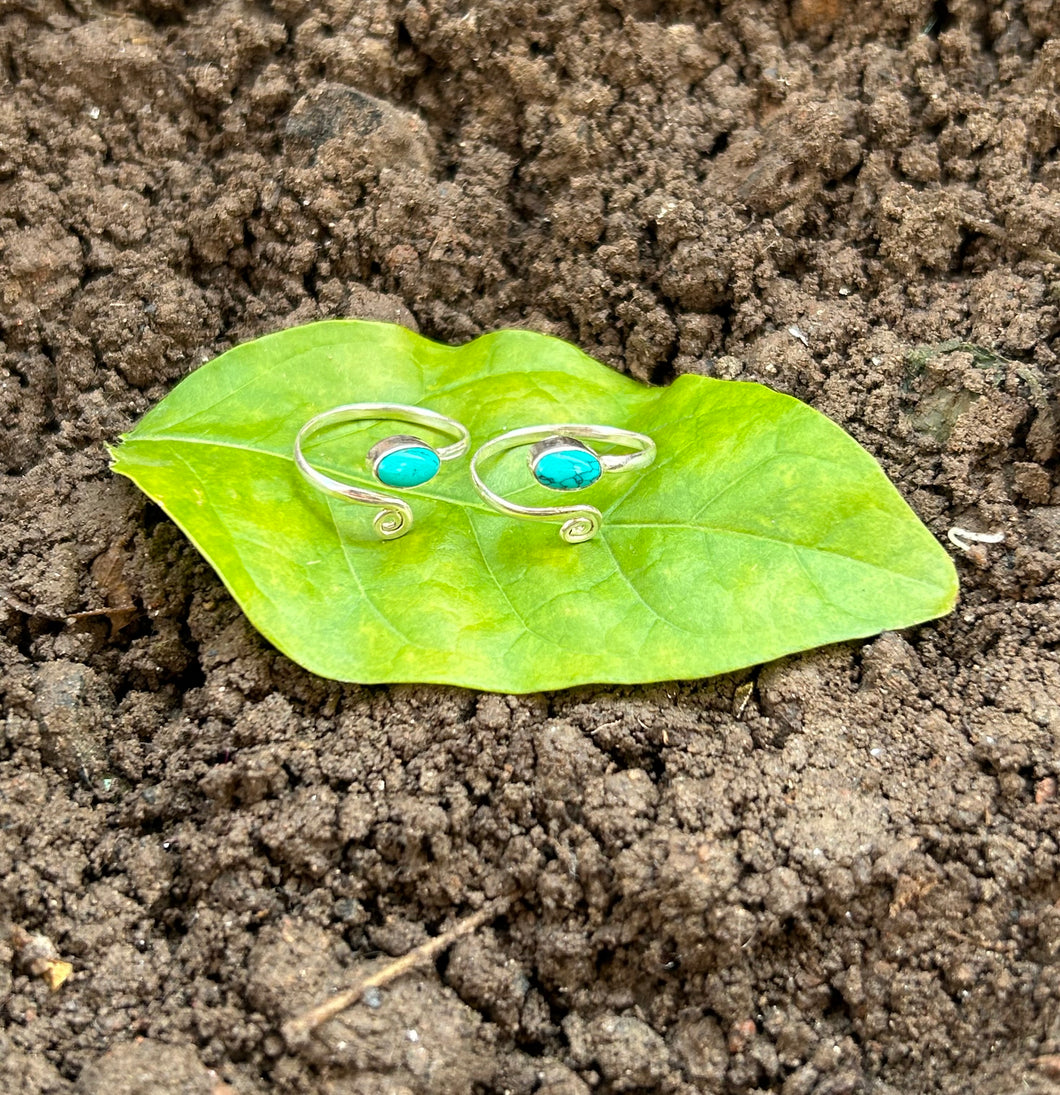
<point x="403" y="461"/>
<point x="564" y="463"/>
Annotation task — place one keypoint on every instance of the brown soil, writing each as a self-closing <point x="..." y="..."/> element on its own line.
<point x="834" y="874"/>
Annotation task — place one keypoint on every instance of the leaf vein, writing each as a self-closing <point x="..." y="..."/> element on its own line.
<point x="360" y="584"/>
<point x="503" y="592"/>
<point x="659" y="617"/>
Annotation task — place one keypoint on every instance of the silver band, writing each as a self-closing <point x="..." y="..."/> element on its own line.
<point x="395" y="518"/>
<point x="582" y="521"/>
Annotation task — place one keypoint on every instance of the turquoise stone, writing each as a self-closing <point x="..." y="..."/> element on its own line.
<point x="408" y="466"/>
<point x="567" y="469"/>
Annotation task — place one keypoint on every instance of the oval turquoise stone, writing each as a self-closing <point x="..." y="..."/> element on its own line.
<point x="567" y="469"/>
<point x="408" y="467"/>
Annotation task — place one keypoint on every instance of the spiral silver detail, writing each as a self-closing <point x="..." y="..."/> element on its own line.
<point x="391" y="522"/>
<point x="581" y="528"/>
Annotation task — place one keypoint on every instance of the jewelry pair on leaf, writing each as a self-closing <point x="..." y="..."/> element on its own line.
<point x="559" y="460"/>
<point x="771" y="531"/>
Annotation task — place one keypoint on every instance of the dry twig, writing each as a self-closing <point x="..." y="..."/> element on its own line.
<point x="297" y="1030"/>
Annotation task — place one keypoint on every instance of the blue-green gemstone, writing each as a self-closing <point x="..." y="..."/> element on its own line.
<point x="567" y="469"/>
<point x="408" y="467"/>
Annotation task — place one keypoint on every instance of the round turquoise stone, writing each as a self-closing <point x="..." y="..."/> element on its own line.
<point x="567" y="469"/>
<point x="408" y="467"/>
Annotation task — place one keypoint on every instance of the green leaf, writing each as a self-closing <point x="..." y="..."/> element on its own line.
<point x="761" y="528"/>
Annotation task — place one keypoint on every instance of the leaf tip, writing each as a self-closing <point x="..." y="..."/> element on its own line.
<point x="114" y="451"/>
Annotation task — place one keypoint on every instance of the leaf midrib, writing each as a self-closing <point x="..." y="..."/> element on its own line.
<point x="609" y="524"/>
